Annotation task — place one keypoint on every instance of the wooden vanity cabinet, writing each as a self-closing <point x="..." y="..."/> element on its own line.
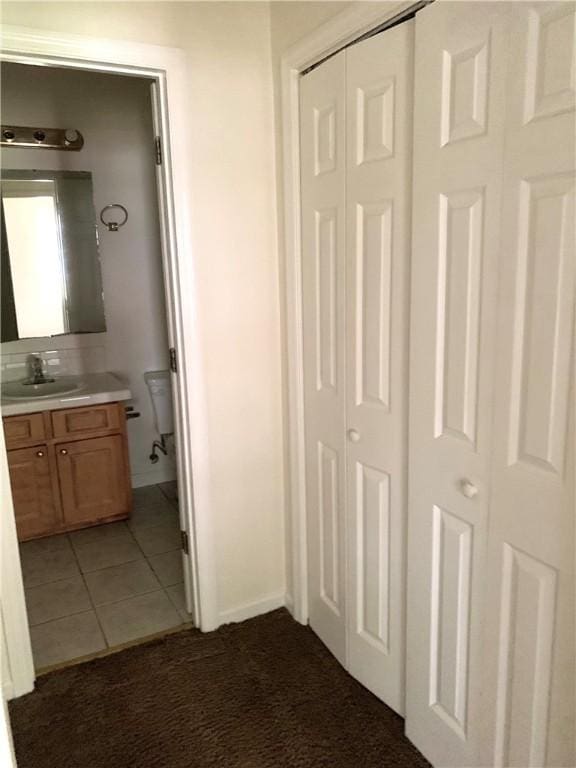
<point x="68" y="468"/>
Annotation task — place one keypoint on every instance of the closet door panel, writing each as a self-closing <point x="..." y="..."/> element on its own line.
<point x="461" y="53"/>
<point x="530" y="665"/>
<point x="323" y="167"/>
<point x="379" y="75"/>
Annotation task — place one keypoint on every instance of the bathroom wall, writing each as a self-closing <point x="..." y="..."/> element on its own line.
<point x="114" y="115"/>
<point x="232" y="182"/>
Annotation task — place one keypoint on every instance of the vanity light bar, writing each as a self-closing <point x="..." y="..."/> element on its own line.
<point x="68" y="139"/>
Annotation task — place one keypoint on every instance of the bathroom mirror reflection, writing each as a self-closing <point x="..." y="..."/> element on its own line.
<point x="51" y="283"/>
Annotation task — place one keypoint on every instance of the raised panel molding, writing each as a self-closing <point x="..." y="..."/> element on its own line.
<point x="328" y="526"/>
<point x="373" y="303"/>
<point x="464" y="93"/>
<point x="550" y="61"/>
<point x="450" y="618"/>
<point x="461" y="216"/>
<point x="375" y="122"/>
<point x="545" y="278"/>
<point x="324" y="139"/>
<point x="526" y="640"/>
<point x="325" y="300"/>
<point x="373" y="556"/>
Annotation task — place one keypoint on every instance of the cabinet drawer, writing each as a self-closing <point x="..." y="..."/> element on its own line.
<point x="92" y="420"/>
<point x="21" y="431"/>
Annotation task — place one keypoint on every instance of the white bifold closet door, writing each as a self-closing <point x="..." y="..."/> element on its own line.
<point x="356" y="138"/>
<point x="529" y="669"/>
<point x="490" y="672"/>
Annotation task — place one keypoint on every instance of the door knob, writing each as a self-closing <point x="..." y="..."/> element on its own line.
<point x="63" y="451"/>
<point x="39" y="454"/>
<point x="468" y="489"/>
<point x="353" y="435"/>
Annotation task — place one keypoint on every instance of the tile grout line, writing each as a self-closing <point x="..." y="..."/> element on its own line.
<point x="117" y="602"/>
<point x="175" y="506"/>
<point x="165" y="587"/>
<point x="172" y="502"/>
<point x="90" y="596"/>
<point x="60" y="618"/>
<point x="93" y="609"/>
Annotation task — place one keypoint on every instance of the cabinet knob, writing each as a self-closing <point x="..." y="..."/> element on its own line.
<point x="353" y="435"/>
<point x="39" y="454"/>
<point x="63" y="451"/>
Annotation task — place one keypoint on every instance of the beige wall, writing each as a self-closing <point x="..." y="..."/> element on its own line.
<point x="232" y="179"/>
<point x="291" y="21"/>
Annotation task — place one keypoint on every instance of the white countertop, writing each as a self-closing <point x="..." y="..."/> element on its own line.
<point x="94" y="388"/>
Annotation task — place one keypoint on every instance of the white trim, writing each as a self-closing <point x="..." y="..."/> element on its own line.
<point x="166" y="68"/>
<point x="8" y="690"/>
<point x="7" y="756"/>
<point x="343" y="29"/>
<point x="250" y="610"/>
<point x="14" y="632"/>
<point x="289" y="604"/>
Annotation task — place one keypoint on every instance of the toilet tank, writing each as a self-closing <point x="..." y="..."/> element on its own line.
<point x="160" y="389"/>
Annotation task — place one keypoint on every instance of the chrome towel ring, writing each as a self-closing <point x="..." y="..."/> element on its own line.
<point x="114" y="226"/>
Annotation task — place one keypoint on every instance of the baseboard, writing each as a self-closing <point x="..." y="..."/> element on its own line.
<point x="250" y="610"/>
<point x="7" y="690"/>
<point x="153" y="476"/>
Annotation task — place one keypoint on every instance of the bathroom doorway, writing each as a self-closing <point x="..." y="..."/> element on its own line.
<point x="115" y="578"/>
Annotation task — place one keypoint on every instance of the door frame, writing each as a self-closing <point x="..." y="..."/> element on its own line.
<point x="165" y="68"/>
<point x="343" y="29"/>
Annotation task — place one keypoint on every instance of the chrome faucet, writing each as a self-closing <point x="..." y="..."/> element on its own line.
<point x="37" y="370"/>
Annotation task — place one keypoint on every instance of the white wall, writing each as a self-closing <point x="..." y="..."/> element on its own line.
<point x="232" y="178"/>
<point x="114" y="115"/>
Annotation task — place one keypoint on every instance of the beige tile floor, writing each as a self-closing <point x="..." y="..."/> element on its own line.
<point x="108" y="585"/>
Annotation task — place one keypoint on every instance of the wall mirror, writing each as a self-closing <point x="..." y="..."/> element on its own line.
<point x="51" y="282"/>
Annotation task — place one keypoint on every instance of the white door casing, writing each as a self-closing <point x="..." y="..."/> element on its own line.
<point x="529" y="665"/>
<point x="458" y="150"/>
<point x="379" y="74"/>
<point x="323" y="167"/>
<point x="165" y="66"/>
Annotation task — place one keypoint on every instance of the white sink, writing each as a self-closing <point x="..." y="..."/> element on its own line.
<point x="63" y="392"/>
<point x="19" y="390"/>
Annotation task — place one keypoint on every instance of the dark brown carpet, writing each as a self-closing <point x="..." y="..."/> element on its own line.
<point x="262" y="694"/>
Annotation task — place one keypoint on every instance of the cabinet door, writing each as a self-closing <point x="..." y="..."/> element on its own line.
<point x="93" y="480"/>
<point x="35" y="506"/>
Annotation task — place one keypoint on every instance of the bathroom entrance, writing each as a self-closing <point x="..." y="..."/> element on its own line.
<point x="90" y="421"/>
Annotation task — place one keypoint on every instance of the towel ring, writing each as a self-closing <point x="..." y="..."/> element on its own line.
<point x="114" y="226"/>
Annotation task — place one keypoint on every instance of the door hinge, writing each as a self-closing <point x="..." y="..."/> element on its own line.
<point x="158" y="150"/>
<point x="173" y="363"/>
<point x="184" y="542"/>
